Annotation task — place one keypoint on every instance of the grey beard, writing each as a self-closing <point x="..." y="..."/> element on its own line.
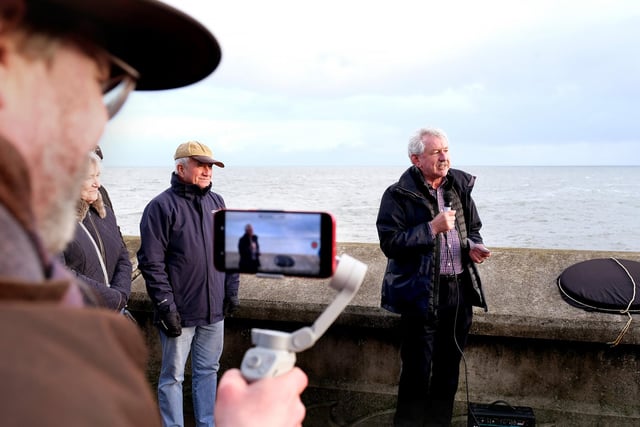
<point x="58" y="228"/>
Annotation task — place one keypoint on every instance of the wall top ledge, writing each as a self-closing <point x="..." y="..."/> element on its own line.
<point x="520" y="287"/>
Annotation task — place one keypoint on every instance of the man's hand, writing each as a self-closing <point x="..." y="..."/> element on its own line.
<point x="478" y="252"/>
<point x="230" y="305"/>
<point x="269" y="402"/>
<point x="443" y="222"/>
<point x="170" y="323"/>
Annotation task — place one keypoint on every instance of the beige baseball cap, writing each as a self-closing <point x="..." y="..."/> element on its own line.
<point x="198" y="151"/>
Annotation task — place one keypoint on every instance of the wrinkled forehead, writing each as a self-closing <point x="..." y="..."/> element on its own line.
<point x="434" y="142"/>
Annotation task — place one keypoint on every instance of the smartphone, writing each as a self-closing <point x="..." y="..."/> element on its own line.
<point x="289" y="243"/>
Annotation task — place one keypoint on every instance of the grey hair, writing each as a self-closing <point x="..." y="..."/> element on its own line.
<point x="416" y="146"/>
<point x="184" y="161"/>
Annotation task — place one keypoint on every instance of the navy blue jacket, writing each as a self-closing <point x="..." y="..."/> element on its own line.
<point x="81" y="257"/>
<point x="176" y="254"/>
<point x="410" y="283"/>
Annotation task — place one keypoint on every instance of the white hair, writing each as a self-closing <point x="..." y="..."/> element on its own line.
<point x="416" y="146"/>
<point x="184" y="161"/>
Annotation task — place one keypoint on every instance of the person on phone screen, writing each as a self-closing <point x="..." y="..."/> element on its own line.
<point x="249" y="250"/>
<point x="188" y="293"/>
<point x="66" y="68"/>
<point x="429" y="230"/>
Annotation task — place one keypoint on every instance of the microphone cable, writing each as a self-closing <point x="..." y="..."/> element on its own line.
<point x="449" y="256"/>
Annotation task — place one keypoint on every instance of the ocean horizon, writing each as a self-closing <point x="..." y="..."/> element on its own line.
<point x="546" y="207"/>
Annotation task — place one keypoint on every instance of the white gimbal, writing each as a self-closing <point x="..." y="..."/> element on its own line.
<point x="275" y="351"/>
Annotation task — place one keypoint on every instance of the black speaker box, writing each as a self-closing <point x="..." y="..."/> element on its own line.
<point x="499" y="414"/>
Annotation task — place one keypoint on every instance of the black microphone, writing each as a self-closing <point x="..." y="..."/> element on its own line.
<point x="447" y="201"/>
<point x="447" y="207"/>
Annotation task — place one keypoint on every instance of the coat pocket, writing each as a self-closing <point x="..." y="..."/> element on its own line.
<point x="408" y="286"/>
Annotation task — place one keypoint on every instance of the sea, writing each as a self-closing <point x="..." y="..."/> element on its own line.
<point x="550" y="207"/>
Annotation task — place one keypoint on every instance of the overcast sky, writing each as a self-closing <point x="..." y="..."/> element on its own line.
<point x="345" y="82"/>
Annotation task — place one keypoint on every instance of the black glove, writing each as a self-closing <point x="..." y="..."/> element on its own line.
<point x="230" y="305"/>
<point x="170" y="323"/>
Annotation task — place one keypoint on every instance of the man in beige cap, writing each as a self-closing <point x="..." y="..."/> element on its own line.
<point x="197" y="151"/>
<point x="66" y="68"/>
<point x="188" y="293"/>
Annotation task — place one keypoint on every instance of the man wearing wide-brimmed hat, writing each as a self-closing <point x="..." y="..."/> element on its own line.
<point x="66" y="68"/>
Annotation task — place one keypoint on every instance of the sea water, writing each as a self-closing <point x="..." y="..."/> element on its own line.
<point x="576" y="207"/>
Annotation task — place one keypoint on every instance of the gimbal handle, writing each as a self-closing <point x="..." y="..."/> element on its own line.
<point x="274" y="351"/>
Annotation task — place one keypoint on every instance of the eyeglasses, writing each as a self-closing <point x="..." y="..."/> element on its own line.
<point x="121" y="83"/>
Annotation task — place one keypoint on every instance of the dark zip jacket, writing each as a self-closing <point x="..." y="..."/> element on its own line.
<point x="81" y="257"/>
<point x="410" y="284"/>
<point x="176" y="254"/>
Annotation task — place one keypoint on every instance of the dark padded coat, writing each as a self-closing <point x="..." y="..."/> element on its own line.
<point x="81" y="256"/>
<point x="176" y="254"/>
<point x="410" y="280"/>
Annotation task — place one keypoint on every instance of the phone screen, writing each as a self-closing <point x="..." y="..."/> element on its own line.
<point x="275" y="242"/>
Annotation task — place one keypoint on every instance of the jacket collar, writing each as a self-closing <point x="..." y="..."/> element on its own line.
<point x="413" y="181"/>
<point x="16" y="198"/>
<point x="82" y="207"/>
<point x="188" y="191"/>
<point x="15" y="186"/>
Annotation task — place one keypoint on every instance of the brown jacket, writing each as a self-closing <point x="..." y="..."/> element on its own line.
<point x="61" y="365"/>
<point x="66" y="366"/>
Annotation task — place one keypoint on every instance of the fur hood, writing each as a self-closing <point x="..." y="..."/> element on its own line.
<point x="83" y="207"/>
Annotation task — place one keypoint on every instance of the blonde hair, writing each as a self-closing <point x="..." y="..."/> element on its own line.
<point x="94" y="159"/>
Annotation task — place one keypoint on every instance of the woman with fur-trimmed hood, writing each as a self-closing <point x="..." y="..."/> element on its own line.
<point x="97" y="254"/>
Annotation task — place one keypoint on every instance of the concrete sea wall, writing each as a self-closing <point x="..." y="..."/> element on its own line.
<point x="530" y="349"/>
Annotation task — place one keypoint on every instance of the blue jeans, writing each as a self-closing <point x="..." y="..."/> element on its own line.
<point x="205" y="344"/>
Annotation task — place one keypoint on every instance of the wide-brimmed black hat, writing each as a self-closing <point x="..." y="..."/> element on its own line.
<point x="168" y="48"/>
